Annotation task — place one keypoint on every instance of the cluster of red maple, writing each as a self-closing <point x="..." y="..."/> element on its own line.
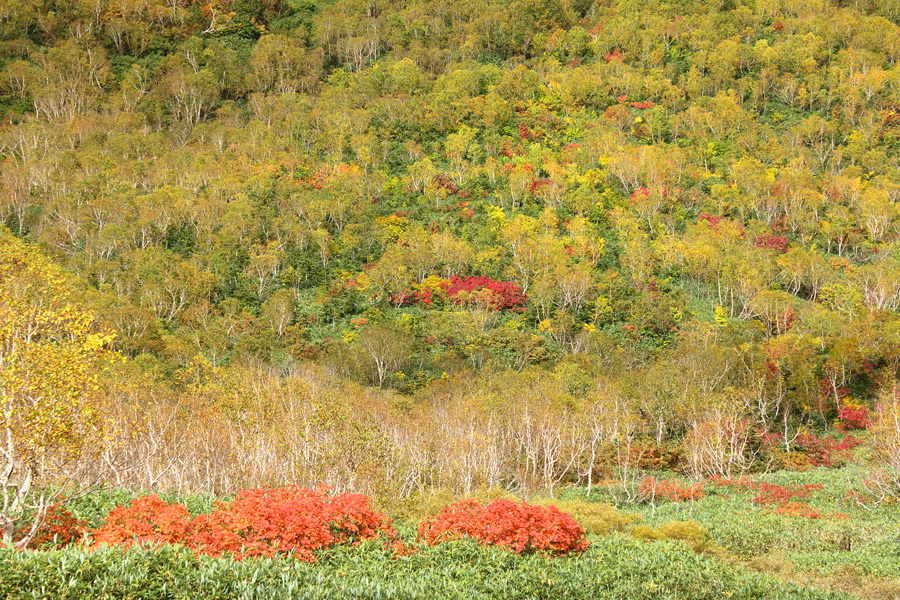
<point x="265" y="522"/>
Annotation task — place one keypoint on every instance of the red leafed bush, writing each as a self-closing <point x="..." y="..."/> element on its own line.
<point x="853" y="418"/>
<point x="260" y="522"/>
<point x="641" y="191"/>
<point x="60" y="528"/>
<point x="266" y="522"/>
<point x="713" y="220"/>
<point x="655" y="490"/>
<point x="503" y="294"/>
<point x="773" y="241"/>
<point x="826" y="452"/>
<point x="481" y="292"/>
<point x="146" y="520"/>
<point x="521" y="527"/>
<point x="798" y="509"/>
<point x="770" y="493"/>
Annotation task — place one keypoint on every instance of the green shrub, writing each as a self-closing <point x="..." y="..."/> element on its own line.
<point x="420" y="504"/>
<point x="595" y="518"/>
<point x="691" y="533"/>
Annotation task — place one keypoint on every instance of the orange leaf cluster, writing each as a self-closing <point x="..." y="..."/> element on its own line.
<point x="521" y="527"/>
<point x="770" y="493"/>
<point x="260" y="522"/>
<point x="653" y="489"/>
<point x="60" y="528"/>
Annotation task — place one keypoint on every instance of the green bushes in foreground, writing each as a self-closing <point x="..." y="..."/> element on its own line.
<point x="613" y="567"/>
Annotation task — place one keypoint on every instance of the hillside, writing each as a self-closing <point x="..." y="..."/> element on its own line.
<point x="399" y="245"/>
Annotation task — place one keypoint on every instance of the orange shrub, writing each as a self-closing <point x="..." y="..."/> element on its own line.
<point x="656" y="490"/>
<point x="60" y="528"/>
<point x="259" y="522"/>
<point x="146" y="520"/>
<point x="521" y="527"/>
<point x="770" y="493"/>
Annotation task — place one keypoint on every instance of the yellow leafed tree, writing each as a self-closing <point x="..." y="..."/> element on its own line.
<point x="52" y="352"/>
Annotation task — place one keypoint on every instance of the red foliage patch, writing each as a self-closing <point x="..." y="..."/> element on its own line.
<point x="260" y="522"/>
<point x="770" y="493"/>
<point x="773" y="241"/>
<point x="853" y="418"/>
<point x="798" y="509"/>
<point x="505" y="294"/>
<point x="146" y="520"/>
<point x="655" y="490"/>
<point x="521" y="527"/>
<point x="60" y="528"/>
<point x="491" y="294"/>
<point x="825" y="452"/>
<point x="641" y="191"/>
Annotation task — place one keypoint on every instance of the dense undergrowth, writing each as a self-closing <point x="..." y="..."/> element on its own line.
<point x="613" y="567"/>
<point x="748" y="536"/>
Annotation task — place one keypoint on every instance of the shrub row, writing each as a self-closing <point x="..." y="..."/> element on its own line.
<point x="266" y="522"/>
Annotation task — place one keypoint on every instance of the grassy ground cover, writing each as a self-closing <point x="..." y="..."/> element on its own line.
<point x="613" y="567"/>
<point x="801" y="534"/>
<point x="812" y="527"/>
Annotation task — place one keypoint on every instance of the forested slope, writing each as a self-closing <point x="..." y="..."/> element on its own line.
<point x="396" y="244"/>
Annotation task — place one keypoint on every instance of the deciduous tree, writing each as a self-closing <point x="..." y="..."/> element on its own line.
<point x="52" y="428"/>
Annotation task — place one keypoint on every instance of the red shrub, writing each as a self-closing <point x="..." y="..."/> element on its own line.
<point x="60" y="528"/>
<point x="641" y="191"/>
<point x="713" y="220"/>
<point x="504" y="294"/>
<point x="259" y="522"/>
<point x="474" y="291"/>
<point x="770" y="493"/>
<point x="266" y="522"/>
<point x="773" y="241"/>
<point x="798" y="509"/>
<point x="522" y="528"/>
<point x="148" y="519"/>
<point x="352" y="519"/>
<point x="655" y="490"/>
<point x="853" y="418"/>
<point x="826" y="452"/>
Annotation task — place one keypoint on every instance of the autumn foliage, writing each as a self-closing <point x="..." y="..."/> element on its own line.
<point x="772" y="493"/>
<point x="826" y="452"/>
<point x="656" y="490"/>
<point x="59" y="528"/>
<point x="521" y="527"/>
<point x="260" y="522"/>
<point x="853" y="418"/>
<point x="266" y="522"/>
<point x="479" y="291"/>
